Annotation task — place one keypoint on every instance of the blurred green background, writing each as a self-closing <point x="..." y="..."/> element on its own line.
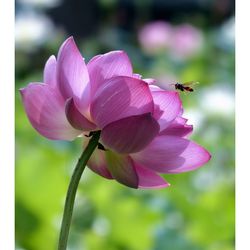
<point x="171" y="41"/>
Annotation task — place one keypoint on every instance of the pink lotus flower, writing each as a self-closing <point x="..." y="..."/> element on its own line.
<point x="186" y="40"/>
<point x="141" y="125"/>
<point x="182" y="41"/>
<point x="155" y="36"/>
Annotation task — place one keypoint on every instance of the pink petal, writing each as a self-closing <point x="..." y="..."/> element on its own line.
<point x="98" y="164"/>
<point x="148" y="178"/>
<point x="172" y="154"/>
<point x="76" y="119"/>
<point x="150" y="80"/>
<point x="154" y="87"/>
<point x="106" y="66"/>
<point x="46" y="112"/>
<point x="180" y="120"/>
<point x="120" y="97"/>
<point x="167" y="107"/>
<point x="122" y="169"/>
<point x="72" y="75"/>
<point x="49" y="74"/>
<point x="181" y="113"/>
<point x="130" y="134"/>
<point x="147" y="80"/>
<point x="178" y="128"/>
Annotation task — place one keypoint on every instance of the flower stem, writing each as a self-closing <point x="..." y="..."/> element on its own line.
<point x="70" y="198"/>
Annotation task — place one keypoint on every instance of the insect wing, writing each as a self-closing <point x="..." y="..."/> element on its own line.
<point x="190" y="83"/>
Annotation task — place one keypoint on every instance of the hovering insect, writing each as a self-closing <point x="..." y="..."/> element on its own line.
<point x="186" y="86"/>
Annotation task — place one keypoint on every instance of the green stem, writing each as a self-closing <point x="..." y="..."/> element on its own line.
<point x="70" y="198"/>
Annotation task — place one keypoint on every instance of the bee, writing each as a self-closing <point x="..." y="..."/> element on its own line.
<point x="186" y="86"/>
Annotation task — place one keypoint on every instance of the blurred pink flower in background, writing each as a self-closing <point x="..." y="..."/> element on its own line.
<point x="155" y="36"/>
<point x="182" y="41"/>
<point x="142" y="128"/>
<point x="186" y="40"/>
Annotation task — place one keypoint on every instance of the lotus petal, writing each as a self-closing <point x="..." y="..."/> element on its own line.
<point x="46" y="112"/>
<point x="76" y="119"/>
<point x="49" y="74"/>
<point x="167" y="107"/>
<point x="106" y="66"/>
<point x="130" y="134"/>
<point x="72" y="75"/>
<point x="122" y="169"/>
<point x="148" y="178"/>
<point x="120" y="97"/>
<point x="172" y="154"/>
